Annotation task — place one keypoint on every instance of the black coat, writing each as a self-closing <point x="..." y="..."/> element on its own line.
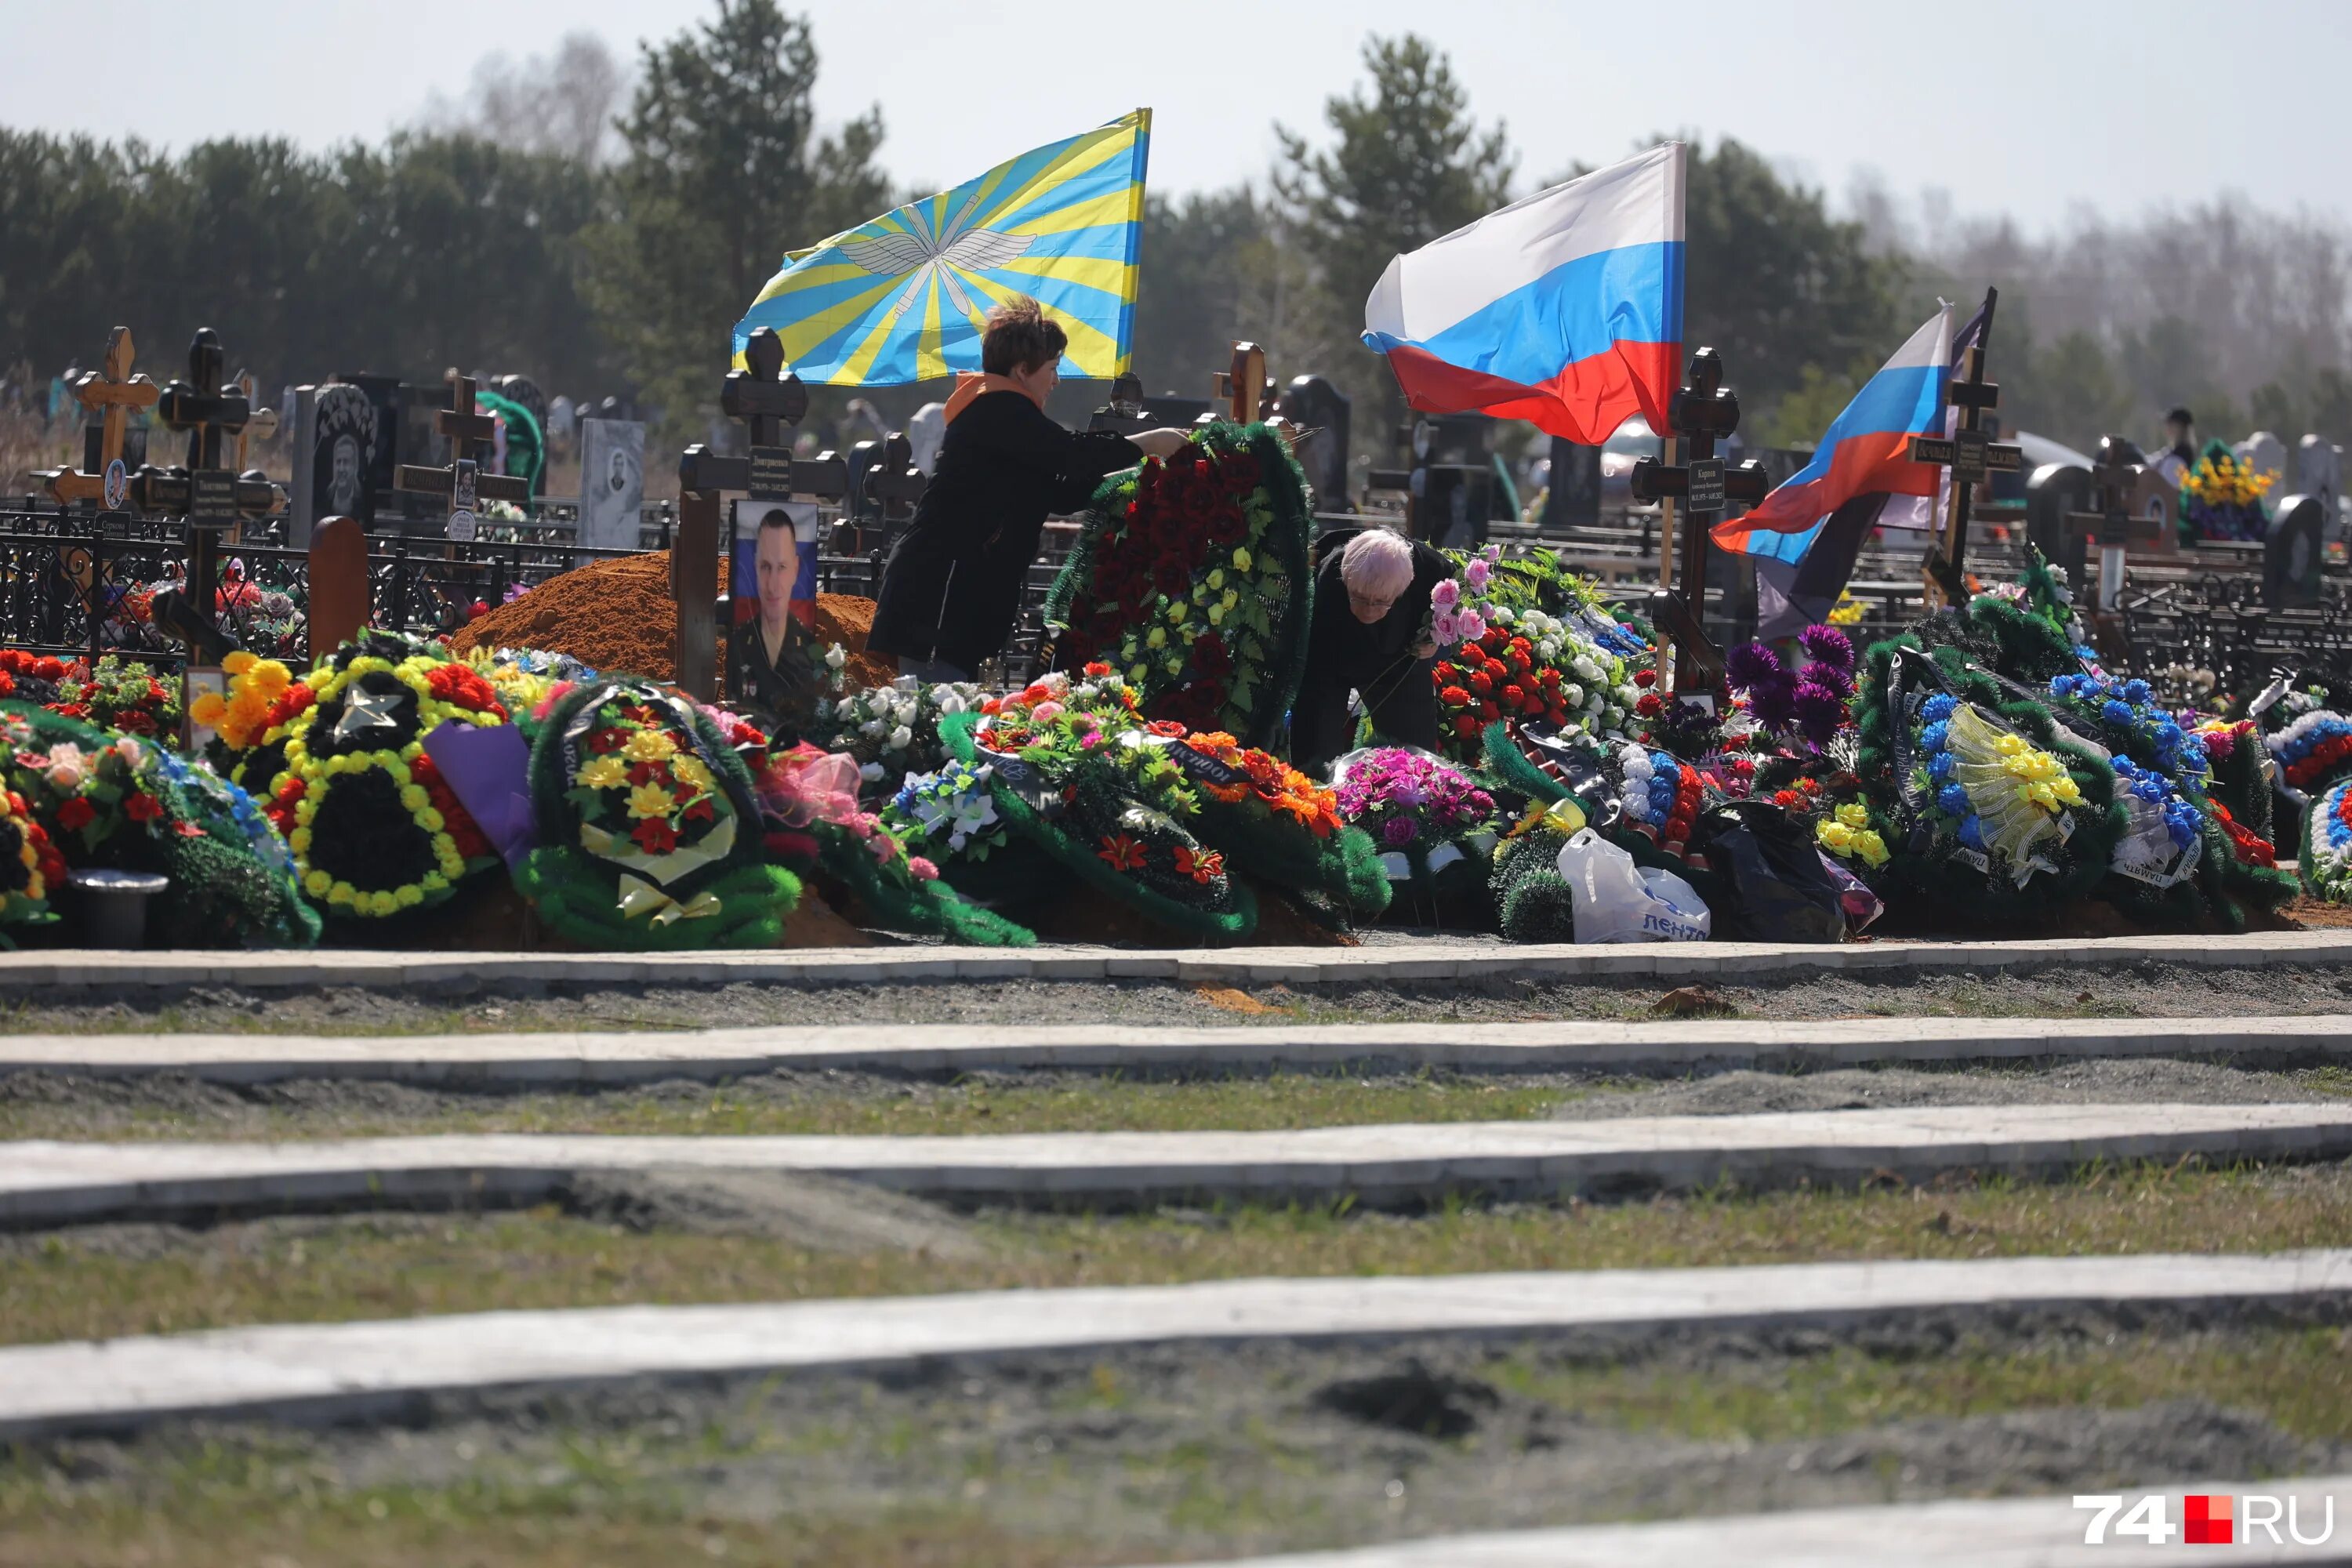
<point x="952" y="588"/>
<point x="1344" y="655"/>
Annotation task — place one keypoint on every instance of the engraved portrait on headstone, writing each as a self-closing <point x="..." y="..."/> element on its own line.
<point x="611" y="482"/>
<point x="343" y="455"/>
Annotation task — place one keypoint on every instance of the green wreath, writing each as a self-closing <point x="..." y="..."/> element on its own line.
<point x="1095" y="811"/>
<point x="1220" y="575"/>
<point x="621" y="869"/>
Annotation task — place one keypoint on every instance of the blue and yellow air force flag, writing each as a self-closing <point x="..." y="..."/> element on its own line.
<point x="904" y="298"/>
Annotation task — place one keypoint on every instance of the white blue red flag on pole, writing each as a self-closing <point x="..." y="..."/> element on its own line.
<point x="1564" y="309"/>
<point x="1867" y="448"/>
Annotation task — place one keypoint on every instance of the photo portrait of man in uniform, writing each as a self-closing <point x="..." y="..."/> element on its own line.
<point x="769" y="670"/>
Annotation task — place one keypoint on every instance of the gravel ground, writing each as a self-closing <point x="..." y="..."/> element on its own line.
<point x="1142" y="1455"/>
<point x="56" y="1105"/>
<point x="2141" y="990"/>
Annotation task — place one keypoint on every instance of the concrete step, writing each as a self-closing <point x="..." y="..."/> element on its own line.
<point x="1654" y="1049"/>
<point x="109" y="973"/>
<point x="381" y="1370"/>
<point x="52" y="1184"/>
<point x="2018" y="1532"/>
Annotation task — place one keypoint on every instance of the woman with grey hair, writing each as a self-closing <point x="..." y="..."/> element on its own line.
<point x="1370" y="637"/>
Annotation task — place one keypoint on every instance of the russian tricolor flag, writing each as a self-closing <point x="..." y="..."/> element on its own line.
<point x="1564" y="309"/>
<point x="1867" y="448"/>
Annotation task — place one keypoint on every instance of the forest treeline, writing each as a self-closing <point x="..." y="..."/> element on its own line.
<point x="599" y="227"/>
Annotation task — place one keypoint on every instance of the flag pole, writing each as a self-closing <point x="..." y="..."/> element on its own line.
<point x="1672" y="452"/>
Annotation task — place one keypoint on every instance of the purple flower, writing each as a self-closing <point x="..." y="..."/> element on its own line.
<point x="1821" y="712"/>
<point x="1398" y="830"/>
<point x="1829" y="646"/>
<point x="1754" y="664"/>
<point x="1827" y="676"/>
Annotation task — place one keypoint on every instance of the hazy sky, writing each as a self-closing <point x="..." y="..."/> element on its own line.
<point x="2117" y="103"/>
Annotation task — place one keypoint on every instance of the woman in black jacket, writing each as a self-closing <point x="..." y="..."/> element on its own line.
<point x="952" y="588"/>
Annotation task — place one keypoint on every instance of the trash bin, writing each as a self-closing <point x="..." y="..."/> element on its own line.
<point x="113" y="905"/>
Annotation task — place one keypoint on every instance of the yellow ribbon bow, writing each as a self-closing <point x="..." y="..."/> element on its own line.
<point x="639" y="897"/>
<point x="1565" y="818"/>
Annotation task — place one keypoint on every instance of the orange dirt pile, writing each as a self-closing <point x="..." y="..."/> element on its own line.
<point x="614" y="615"/>
<point x="846" y="619"/>
<point x="617" y="617"/>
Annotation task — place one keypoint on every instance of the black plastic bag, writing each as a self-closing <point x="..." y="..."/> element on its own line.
<point x="1774" y="888"/>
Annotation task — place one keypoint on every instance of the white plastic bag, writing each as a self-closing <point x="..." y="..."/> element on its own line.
<point x="1616" y="901"/>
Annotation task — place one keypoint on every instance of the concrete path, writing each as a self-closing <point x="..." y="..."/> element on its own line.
<point x="545" y="1060"/>
<point x="2022" y="1533"/>
<point x="108" y="973"/>
<point x="50" y="1183"/>
<point x="377" y="1371"/>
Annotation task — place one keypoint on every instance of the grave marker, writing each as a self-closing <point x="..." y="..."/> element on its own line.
<point x="1241" y="386"/>
<point x="212" y="496"/>
<point x="1704" y="411"/>
<point x="111" y="392"/>
<point x="611" y="482"/>
<point x="894" y="484"/>
<point x="2113" y="523"/>
<point x="262" y="421"/>
<point x="463" y="481"/>
<point x="1971" y="453"/>
<point x="339" y="583"/>
<point x="768" y="400"/>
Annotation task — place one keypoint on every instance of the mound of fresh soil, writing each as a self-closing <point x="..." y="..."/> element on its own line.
<point x="617" y="617"/>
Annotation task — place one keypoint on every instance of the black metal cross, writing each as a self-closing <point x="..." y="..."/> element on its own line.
<point x="1703" y="412"/>
<point x="2117" y="483"/>
<point x="1970" y="454"/>
<point x="211" y="495"/>
<point x="893" y="484"/>
<point x="463" y="480"/>
<point x="768" y="401"/>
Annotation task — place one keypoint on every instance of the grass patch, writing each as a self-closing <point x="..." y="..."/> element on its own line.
<point x="1135" y="1460"/>
<point x="787" y="1103"/>
<point x="113" y="1280"/>
<point x="2299" y="1379"/>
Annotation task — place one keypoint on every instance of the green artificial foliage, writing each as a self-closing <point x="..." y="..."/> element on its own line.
<point x="894" y="903"/>
<point x="2028" y="647"/>
<point x="231" y="880"/>
<point x="1114" y="583"/>
<point x="581" y="879"/>
<point x="1343" y="867"/>
<point x="1531" y="899"/>
<point x="525" y="442"/>
<point x="1096" y="809"/>
<point x="1540" y="908"/>
<point x="1925" y="862"/>
<point x="2241" y="783"/>
<point x="573" y="892"/>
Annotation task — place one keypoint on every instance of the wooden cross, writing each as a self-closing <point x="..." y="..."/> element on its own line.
<point x="1704" y="411"/>
<point x="1971" y="453"/>
<point x="261" y="422"/>
<point x="463" y="480"/>
<point x="1243" y="386"/>
<point x="2115" y="485"/>
<point x="111" y="392"/>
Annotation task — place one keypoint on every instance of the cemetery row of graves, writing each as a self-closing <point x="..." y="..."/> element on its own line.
<point x="255" y="721"/>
